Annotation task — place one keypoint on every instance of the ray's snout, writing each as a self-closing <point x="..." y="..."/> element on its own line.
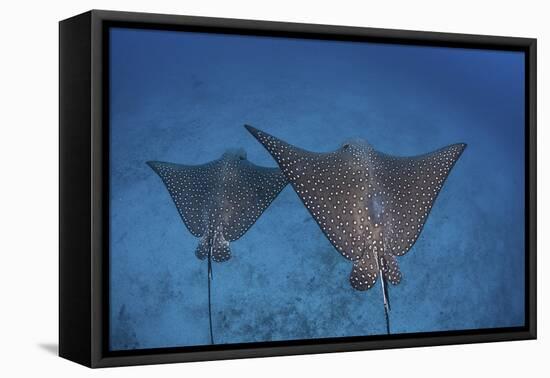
<point x="354" y="142"/>
<point x="235" y="153"/>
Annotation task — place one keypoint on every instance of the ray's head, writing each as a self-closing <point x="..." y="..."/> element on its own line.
<point x="234" y="154"/>
<point x="355" y="144"/>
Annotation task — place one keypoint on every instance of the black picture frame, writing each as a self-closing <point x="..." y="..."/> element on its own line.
<point x="83" y="195"/>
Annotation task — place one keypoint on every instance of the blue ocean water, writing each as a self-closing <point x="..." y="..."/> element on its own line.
<point x="184" y="97"/>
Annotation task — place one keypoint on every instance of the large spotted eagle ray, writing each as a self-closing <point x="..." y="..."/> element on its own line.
<point x="219" y="201"/>
<point x="370" y="205"/>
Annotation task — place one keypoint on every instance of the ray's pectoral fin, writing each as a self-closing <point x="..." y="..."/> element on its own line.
<point x="216" y="245"/>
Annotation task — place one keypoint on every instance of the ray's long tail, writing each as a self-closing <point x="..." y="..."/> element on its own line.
<point x="209" y="295"/>
<point x="387" y="307"/>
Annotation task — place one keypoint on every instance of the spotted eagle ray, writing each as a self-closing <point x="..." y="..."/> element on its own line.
<point x="219" y="201"/>
<point x="370" y="205"/>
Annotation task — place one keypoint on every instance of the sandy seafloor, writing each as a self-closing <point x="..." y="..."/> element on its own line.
<point x="184" y="97"/>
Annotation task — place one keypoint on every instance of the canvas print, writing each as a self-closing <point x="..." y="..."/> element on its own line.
<point x="276" y="189"/>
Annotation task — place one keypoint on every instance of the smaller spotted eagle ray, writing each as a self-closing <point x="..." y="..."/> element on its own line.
<point x="219" y="201"/>
<point x="370" y="205"/>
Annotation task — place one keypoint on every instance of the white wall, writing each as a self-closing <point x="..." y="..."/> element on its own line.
<point x="28" y="194"/>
